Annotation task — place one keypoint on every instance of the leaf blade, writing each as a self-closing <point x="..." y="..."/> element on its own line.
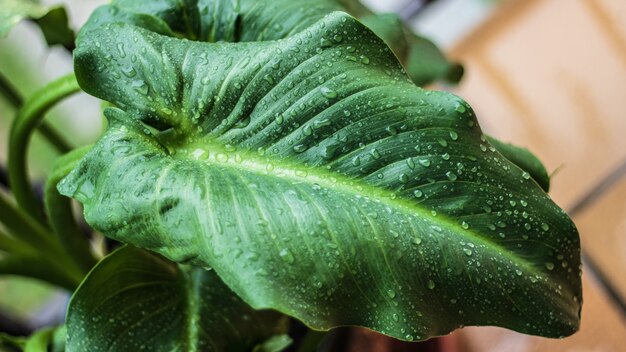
<point x="133" y="299"/>
<point x="261" y="174"/>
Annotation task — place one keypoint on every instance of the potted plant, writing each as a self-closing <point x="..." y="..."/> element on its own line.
<point x="270" y="171"/>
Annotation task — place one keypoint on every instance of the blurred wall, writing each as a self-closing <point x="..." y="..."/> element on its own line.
<point x="551" y="75"/>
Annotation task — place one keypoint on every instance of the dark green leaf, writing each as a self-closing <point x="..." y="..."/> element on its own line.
<point x="525" y="160"/>
<point x="133" y="300"/>
<point x="317" y="180"/>
<point x="54" y="26"/>
<point x="390" y="28"/>
<point x="423" y="60"/>
<point x="9" y="343"/>
<point x="274" y="344"/>
<point x="252" y="20"/>
<point x="425" y="63"/>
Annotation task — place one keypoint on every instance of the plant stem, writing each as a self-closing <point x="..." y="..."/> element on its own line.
<point x="11" y="245"/>
<point x="50" y="263"/>
<point x="14" y="98"/>
<point x="59" y="210"/>
<point x="29" y="116"/>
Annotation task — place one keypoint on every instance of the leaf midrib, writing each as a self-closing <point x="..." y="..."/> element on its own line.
<point x="285" y="170"/>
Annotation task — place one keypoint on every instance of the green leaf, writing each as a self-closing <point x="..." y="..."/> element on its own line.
<point x="390" y="28"/>
<point x="274" y="344"/>
<point x="252" y="20"/>
<point x="525" y="160"/>
<point x="44" y="340"/>
<point x="13" y="342"/>
<point x="133" y="300"/>
<point x="219" y="20"/>
<point x="54" y="26"/>
<point x="40" y="340"/>
<point x="423" y="60"/>
<point x="316" y="179"/>
<point x="426" y="63"/>
<point x="53" y="21"/>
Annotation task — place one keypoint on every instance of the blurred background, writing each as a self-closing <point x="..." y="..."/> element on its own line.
<point x="549" y="75"/>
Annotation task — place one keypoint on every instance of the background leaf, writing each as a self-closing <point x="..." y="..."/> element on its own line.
<point x="53" y="21"/>
<point x="317" y="180"/>
<point x="134" y="300"/>
<point x="525" y="160"/>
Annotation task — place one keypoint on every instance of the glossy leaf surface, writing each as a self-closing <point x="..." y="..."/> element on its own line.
<point x="316" y="179"/>
<point x="253" y="20"/>
<point x="134" y="300"/>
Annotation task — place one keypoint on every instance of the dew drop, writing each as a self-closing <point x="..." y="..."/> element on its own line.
<point x="141" y="87"/>
<point x="328" y="93"/>
<point x="410" y="163"/>
<point x="120" y="49"/>
<point x="375" y="154"/>
<point x="286" y="256"/>
<point x="430" y="284"/>
<point x="299" y="148"/>
<point x="129" y="71"/>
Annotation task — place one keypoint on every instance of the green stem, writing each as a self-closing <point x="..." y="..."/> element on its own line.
<point x="11" y="245"/>
<point x="49" y="132"/>
<point x="55" y="265"/>
<point x="29" y="116"/>
<point x="17" y="222"/>
<point x="59" y="209"/>
<point x="37" y="268"/>
<point x="9" y="92"/>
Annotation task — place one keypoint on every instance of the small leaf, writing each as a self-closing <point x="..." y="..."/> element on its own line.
<point x="423" y="60"/>
<point x="316" y="179"/>
<point x="40" y="340"/>
<point x="426" y="63"/>
<point x="133" y="300"/>
<point x="52" y="20"/>
<point x="274" y="344"/>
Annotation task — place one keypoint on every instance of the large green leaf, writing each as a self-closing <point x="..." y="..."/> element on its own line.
<point x="252" y="20"/>
<point x="133" y="300"/>
<point x="316" y="179"/>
